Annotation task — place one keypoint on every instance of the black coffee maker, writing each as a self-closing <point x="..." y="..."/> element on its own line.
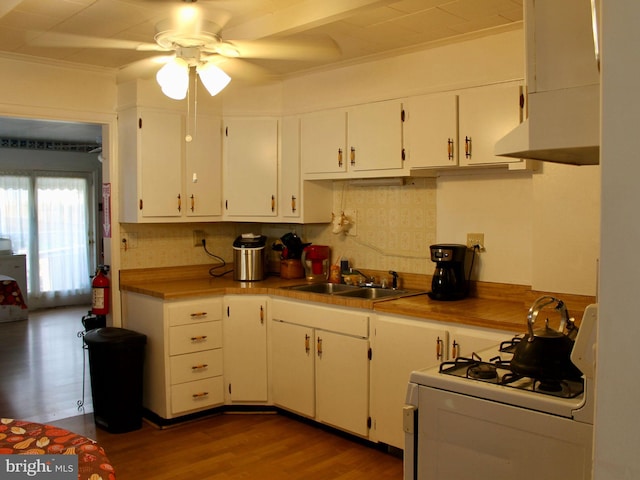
<point x="448" y="282"/>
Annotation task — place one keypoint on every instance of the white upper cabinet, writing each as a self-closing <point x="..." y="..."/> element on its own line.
<point x="299" y="200"/>
<point x="360" y="141"/>
<point x="485" y="116"/>
<point x="250" y="167"/>
<point x="460" y="129"/>
<point x="164" y="178"/>
<point x="203" y="169"/>
<point x="432" y="131"/>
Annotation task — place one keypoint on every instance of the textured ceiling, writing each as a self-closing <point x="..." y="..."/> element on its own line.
<point x="105" y="33"/>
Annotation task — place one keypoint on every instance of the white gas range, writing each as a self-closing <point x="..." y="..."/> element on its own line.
<point x="474" y="419"/>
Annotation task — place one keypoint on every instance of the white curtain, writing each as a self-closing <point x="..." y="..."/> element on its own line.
<point x="47" y="218"/>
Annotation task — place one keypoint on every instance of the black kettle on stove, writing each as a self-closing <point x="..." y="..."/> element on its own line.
<point x="545" y="353"/>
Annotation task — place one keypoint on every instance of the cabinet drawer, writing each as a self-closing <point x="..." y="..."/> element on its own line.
<point x="186" y="313"/>
<point x="196" y="366"/>
<point x="195" y="338"/>
<point x="196" y="395"/>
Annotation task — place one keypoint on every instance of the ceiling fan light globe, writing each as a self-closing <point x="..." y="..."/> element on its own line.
<point x="213" y="78"/>
<point x="173" y="79"/>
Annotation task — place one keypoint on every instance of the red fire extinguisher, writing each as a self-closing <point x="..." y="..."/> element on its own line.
<point x="100" y="291"/>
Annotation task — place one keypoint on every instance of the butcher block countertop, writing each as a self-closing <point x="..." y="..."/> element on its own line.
<point x="490" y="305"/>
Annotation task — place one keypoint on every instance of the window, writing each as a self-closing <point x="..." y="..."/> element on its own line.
<point x="47" y="217"/>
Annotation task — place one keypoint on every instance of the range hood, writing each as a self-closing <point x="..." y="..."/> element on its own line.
<point x="563" y="127"/>
<point x="563" y="123"/>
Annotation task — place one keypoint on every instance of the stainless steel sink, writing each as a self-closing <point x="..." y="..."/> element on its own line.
<point x="367" y="293"/>
<point x="326" y="288"/>
<point x="372" y="293"/>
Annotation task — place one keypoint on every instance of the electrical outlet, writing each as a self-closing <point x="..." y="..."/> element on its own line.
<point x="198" y="236"/>
<point x="474" y="239"/>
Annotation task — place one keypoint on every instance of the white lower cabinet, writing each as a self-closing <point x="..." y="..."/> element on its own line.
<point x="245" y="348"/>
<point x="401" y="345"/>
<point x="320" y="363"/>
<point x="183" y="363"/>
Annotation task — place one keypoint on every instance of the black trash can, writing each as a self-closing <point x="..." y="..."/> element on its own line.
<point x="116" y="359"/>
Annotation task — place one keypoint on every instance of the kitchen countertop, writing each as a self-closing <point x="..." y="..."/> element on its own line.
<point x="495" y="306"/>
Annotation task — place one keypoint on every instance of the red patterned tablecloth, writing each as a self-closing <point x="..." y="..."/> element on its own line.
<point x="28" y="438"/>
<point x="10" y="293"/>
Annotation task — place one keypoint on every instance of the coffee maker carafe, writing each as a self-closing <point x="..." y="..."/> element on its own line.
<point x="448" y="281"/>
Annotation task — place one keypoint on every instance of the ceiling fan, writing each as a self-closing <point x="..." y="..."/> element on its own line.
<point x="193" y="42"/>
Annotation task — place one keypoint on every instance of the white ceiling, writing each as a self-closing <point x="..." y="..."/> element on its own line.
<point x="363" y="29"/>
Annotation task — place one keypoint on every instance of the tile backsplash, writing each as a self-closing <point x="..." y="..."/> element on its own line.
<point x="394" y="226"/>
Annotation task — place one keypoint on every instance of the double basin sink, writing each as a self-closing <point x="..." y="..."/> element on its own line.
<point x="353" y="291"/>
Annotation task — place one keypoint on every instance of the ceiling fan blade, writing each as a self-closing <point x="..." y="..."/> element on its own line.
<point x="242" y="70"/>
<point x="7" y="6"/>
<point x="295" y="47"/>
<point x="67" y="40"/>
<point x="145" y="68"/>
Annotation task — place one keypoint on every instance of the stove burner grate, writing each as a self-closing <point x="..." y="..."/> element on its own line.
<point x="498" y="371"/>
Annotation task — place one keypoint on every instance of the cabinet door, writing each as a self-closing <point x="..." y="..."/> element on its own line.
<point x="465" y="341"/>
<point x="323" y="140"/>
<point x="160" y="141"/>
<point x="251" y="166"/>
<point x="375" y="136"/>
<point x="245" y="348"/>
<point x="399" y="347"/>
<point x="292" y="367"/>
<point x="203" y="170"/>
<point x="431" y="131"/>
<point x="290" y="200"/>
<point x="342" y="381"/>
<point x="486" y="115"/>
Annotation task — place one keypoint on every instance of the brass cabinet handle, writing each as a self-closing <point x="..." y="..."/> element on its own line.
<point x="199" y="338"/>
<point x="293" y="203"/>
<point x="454" y="349"/>
<point x="179" y="203"/>
<point x="319" y="347"/>
<point x="261" y="315"/>
<point x="439" y="349"/>
<point x="199" y="367"/>
<point x="467" y="147"/>
<point x="340" y="157"/>
<point x="200" y="395"/>
<point x="307" y="345"/>
<point x="273" y="203"/>
<point x="193" y="202"/>
<point x="450" y="149"/>
<point x="353" y="155"/>
<point x="198" y="315"/>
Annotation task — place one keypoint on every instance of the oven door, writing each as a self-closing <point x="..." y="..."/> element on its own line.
<point x="463" y="437"/>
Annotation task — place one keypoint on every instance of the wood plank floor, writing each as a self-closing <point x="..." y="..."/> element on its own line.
<point x="41" y="380"/>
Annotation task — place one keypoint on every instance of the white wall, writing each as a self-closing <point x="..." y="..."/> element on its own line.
<point x="617" y="438"/>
